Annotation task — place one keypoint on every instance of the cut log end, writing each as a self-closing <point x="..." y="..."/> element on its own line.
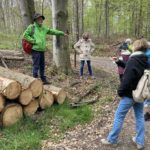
<point x="11" y="114"/>
<point x="31" y="108"/>
<point x="46" y="99"/>
<point x="10" y="88"/>
<point x="25" y="97"/>
<point x="58" y="93"/>
<point x="2" y="103"/>
<point x="36" y="88"/>
<point x="60" y="98"/>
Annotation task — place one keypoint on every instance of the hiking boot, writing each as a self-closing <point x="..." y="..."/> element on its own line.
<point x="147" y="116"/>
<point x="138" y="146"/>
<point x="81" y="77"/>
<point x="45" y="82"/>
<point x="93" y="77"/>
<point x="106" y="142"/>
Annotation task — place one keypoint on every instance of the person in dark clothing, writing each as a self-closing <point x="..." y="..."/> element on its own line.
<point x="134" y="70"/>
<point x="124" y="51"/>
<point x="147" y="102"/>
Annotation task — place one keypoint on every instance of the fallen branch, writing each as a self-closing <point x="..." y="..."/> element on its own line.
<point x="75" y="83"/>
<point x="92" y="88"/>
<point x="4" y="64"/>
<point x="77" y="104"/>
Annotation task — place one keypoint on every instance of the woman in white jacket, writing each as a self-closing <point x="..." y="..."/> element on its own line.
<point x="85" y="47"/>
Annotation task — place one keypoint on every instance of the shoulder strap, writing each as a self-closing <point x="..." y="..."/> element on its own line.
<point x="33" y="29"/>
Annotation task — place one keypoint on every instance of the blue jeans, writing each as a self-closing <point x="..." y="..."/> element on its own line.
<point x="125" y="104"/>
<point x="147" y="103"/>
<point x="82" y="62"/>
<point x="38" y="59"/>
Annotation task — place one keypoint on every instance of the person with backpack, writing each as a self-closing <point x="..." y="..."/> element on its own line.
<point x="36" y="35"/>
<point x="147" y="102"/>
<point x="85" y="47"/>
<point x="134" y="70"/>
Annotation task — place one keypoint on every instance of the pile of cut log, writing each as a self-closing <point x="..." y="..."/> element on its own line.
<point x="21" y="95"/>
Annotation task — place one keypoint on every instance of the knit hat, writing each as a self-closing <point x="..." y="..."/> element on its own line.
<point x="129" y="41"/>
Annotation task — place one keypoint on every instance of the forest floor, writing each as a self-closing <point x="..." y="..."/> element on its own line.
<point x="88" y="137"/>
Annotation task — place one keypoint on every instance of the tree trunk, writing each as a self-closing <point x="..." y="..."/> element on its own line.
<point x="75" y="26"/>
<point x="81" y="14"/>
<point x="2" y="15"/>
<point x="11" y="114"/>
<point x="27" y="10"/>
<point x="26" y="81"/>
<point x="100" y="18"/>
<point x="10" y="88"/>
<point x="61" y="56"/>
<point x="140" y="20"/>
<point x="75" y="21"/>
<point x="107" y="18"/>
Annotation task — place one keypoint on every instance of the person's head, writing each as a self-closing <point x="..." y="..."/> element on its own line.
<point x="128" y="41"/>
<point x="85" y="36"/>
<point x="38" y="18"/>
<point x="140" y="45"/>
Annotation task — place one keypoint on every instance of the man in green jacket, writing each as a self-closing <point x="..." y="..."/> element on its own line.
<point x="38" y="39"/>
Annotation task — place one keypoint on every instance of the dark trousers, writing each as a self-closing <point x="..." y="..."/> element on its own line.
<point x="82" y="62"/>
<point x="38" y="59"/>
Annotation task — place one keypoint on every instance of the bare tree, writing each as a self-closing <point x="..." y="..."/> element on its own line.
<point x="61" y="56"/>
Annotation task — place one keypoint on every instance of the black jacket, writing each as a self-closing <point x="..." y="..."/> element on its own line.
<point x="134" y="70"/>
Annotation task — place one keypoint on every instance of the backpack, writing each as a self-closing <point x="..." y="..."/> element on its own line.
<point x="27" y="46"/>
<point x="148" y="55"/>
<point x="142" y="91"/>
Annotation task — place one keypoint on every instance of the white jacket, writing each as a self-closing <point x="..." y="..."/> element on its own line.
<point x="84" y="48"/>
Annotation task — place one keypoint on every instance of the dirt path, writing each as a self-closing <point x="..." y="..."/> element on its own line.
<point x="88" y="137"/>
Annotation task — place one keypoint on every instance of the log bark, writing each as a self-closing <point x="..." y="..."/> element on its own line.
<point x="46" y="99"/>
<point x="11" y="53"/>
<point x="2" y="102"/>
<point x="13" y="58"/>
<point x="10" y="88"/>
<point x="58" y="93"/>
<point x="26" y="81"/>
<point x="31" y="108"/>
<point x="25" y="96"/>
<point x="11" y="114"/>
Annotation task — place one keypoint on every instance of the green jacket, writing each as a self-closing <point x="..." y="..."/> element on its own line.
<point x="38" y="39"/>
